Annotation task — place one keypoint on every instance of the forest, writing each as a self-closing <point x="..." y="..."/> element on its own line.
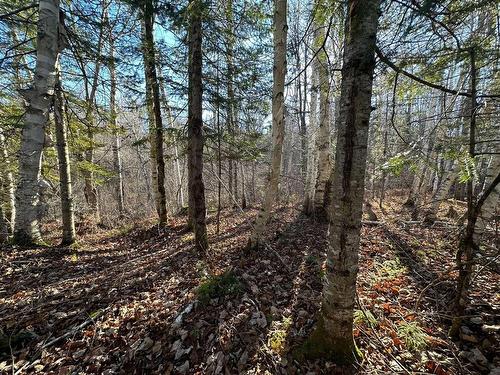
<point x="250" y="187"/>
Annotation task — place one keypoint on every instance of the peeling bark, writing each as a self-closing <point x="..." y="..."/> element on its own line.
<point x="38" y="100"/>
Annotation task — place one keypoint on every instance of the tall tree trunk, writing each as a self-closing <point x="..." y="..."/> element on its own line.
<point x="197" y="209"/>
<point x="469" y="243"/>
<point x="219" y="151"/>
<point x="90" y="188"/>
<point x="117" y="159"/>
<point x="323" y="138"/>
<point x="312" y="152"/>
<point x="171" y="124"/>
<point x="302" y="115"/>
<point x="67" y="210"/>
<point x="38" y="100"/>
<point x="8" y="199"/>
<point x="333" y="335"/>
<point x="278" y="113"/>
<point x="243" y="188"/>
<point x="384" y="153"/>
<point x="155" y="111"/>
<point x="232" y="167"/>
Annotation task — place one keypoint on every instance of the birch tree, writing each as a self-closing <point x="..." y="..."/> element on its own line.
<point x="333" y="335"/>
<point x="38" y="101"/>
<point x="320" y="65"/>
<point x="278" y="122"/>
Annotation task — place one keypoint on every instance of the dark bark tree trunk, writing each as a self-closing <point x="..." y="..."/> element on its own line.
<point x="155" y="111"/>
<point x="117" y="159"/>
<point x="333" y="336"/>
<point x="197" y="209"/>
<point x="67" y="210"/>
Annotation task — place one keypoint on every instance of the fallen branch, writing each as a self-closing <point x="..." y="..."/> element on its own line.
<point x="71" y="332"/>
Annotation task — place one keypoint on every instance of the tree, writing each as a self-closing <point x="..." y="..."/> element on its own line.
<point x="197" y="209"/>
<point x="320" y="65"/>
<point x="278" y="125"/>
<point x="312" y="152"/>
<point x="117" y="159"/>
<point x="38" y="101"/>
<point x="67" y="210"/>
<point x="7" y="198"/>
<point x="333" y="335"/>
<point x="154" y="112"/>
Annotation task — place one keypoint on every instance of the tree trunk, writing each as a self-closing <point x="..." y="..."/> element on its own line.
<point x="8" y="199"/>
<point x="90" y="188"/>
<point x="153" y="98"/>
<point x="67" y="210"/>
<point x="243" y="188"/>
<point x="197" y="209"/>
<point x="232" y="167"/>
<point x="117" y="160"/>
<point x="441" y="193"/>
<point x="312" y="153"/>
<point x="469" y="243"/>
<point x="333" y="336"/>
<point x="38" y="100"/>
<point x="384" y="154"/>
<point x="278" y="113"/>
<point x="323" y="138"/>
<point x="302" y="99"/>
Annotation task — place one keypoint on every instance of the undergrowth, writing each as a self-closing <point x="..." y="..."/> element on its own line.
<point x="216" y="286"/>
<point x="413" y="335"/>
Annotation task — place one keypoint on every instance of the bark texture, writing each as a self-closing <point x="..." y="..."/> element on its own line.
<point x="312" y="153"/>
<point x="67" y="210"/>
<point x="117" y="159"/>
<point x="154" y="111"/>
<point x="323" y="137"/>
<point x="197" y="209"/>
<point x="333" y="336"/>
<point x="38" y="100"/>
<point x="7" y="197"/>
<point x="278" y="122"/>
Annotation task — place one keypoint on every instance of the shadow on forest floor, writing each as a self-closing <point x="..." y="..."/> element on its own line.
<point x="137" y="293"/>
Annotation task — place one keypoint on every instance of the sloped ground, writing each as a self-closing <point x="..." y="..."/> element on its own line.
<point x="138" y="300"/>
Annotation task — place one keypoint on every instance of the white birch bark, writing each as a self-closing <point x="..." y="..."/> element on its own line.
<point x="278" y="114"/>
<point x="441" y="193"/>
<point x="323" y="137"/>
<point x="38" y="99"/>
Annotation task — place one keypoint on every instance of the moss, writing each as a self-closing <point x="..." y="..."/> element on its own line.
<point x="342" y="351"/>
<point x="278" y="334"/>
<point x="218" y="286"/>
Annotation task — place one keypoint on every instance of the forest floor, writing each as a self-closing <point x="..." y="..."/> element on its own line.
<point x="139" y="300"/>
